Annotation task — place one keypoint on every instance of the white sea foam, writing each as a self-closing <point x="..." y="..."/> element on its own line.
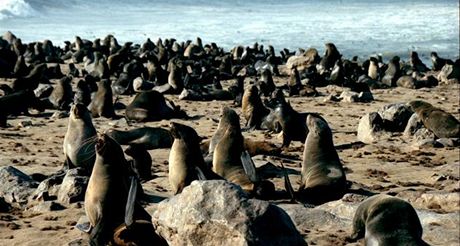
<point x="357" y="27"/>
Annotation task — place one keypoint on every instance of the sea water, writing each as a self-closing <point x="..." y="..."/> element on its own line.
<point x="357" y="27"/>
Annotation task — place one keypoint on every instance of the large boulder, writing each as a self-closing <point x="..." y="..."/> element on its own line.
<point x="450" y="74"/>
<point x="16" y="186"/>
<point x="220" y="213"/>
<point x="303" y="62"/>
<point x="370" y="128"/>
<point x="395" y="116"/>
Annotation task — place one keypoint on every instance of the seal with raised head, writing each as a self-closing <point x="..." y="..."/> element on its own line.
<point x="141" y="162"/>
<point x="79" y="139"/>
<point x="322" y="177"/>
<point x="252" y="108"/>
<point x="110" y="200"/>
<point x="185" y="160"/>
<point x="152" y="106"/>
<point x="102" y="102"/>
<point x="147" y="137"/>
<point x="441" y="123"/>
<point x="62" y="94"/>
<point x="387" y="220"/>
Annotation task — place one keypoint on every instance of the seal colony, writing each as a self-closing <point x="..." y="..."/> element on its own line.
<point x="135" y="85"/>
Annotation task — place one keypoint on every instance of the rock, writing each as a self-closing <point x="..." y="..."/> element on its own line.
<point x="448" y="142"/>
<point x="406" y="81"/>
<point x="119" y="123"/>
<point x="445" y="201"/>
<point x="25" y="123"/>
<point x="370" y="128"/>
<point x="450" y="74"/>
<point x="43" y="90"/>
<point x="47" y="189"/>
<point x="413" y="124"/>
<point x="140" y="84"/>
<point x="424" y="134"/>
<point x="16" y="186"/>
<point x="304" y="61"/>
<point x="47" y="206"/>
<point x="219" y="213"/>
<point x="331" y="98"/>
<point x="60" y="115"/>
<point x="395" y="116"/>
<point x="349" y="96"/>
<point x="73" y="186"/>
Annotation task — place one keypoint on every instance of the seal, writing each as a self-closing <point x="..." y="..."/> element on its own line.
<point x="373" y="71"/>
<point x="252" y="108"/>
<point x="266" y="84"/>
<point x="110" y="201"/>
<point x="231" y="162"/>
<point x="141" y="162"/>
<point x="439" y="62"/>
<point x="152" y="106"/>
<point x="441" y="123"/>
<point x="290" y="121"/>
<point x="102" y="104"/>
<point x="322" y="177"/>
<point x="146" y="137"/>
<point x="331" y="55"/>
<point x="62" y="94"/>
<point x="16" y="103"/>
<point x="32" y="80"/>
<point x="185" y="160"/>
<point x="387" y="220"/>
<point x="79" y="139"/>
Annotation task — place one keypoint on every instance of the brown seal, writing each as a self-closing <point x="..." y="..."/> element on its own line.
<point x="289" y="120"/>
<point x="147" y="137"/>
<point x="62" y="94"/>
<point x="79" y="139"/>
<point x="231" y="161"/>
<point x="331" y="55"/>
<point x="441" y="123"/>
<point x="185" y="160"/>
<point x="102" y="102"/>
<point x="32" y="80"/>
<point x="252" y="108"/>
<point x="109" y="199"/>
<point x="387" y="220"/>
<point x="141" y="162"/>
<point x="17" y="103"/>
<point x="323" y="177"/>
<point x="152" y="106"/>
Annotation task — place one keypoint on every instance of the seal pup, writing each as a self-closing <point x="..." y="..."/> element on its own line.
<point x="252" y="108"/>
<point x="102" y="104"/>
<point x="387" y="220"/>
<point x="152" y="106"/>
<point x="62" y="94"/>
<point x="185" y="160"/>
<point x="441" y="123"/>
<point x="141" y="162"/>
<point x="289" y="120"/>
<point x="110" y="198"/>
<point x="79" y="139"/>
<point x="322" y="177"/>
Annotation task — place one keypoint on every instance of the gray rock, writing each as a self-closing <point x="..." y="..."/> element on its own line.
<point x="331" y="98"/>
<point x="424" y="134"/>
<point x="73" y="186"/>
<point x="413" y="124"/>
<point x="43" y="90"/>
<point x="303" y="62"/>
<point x="395" y="116"/>
<point x="349" y="96"/>
<point x="47" y="189"/>
<point x="406" y="81"/>
<point x="450" y="74"/>
<point x="16" y="186"/>
<point x="60" y="115"/>
<point x="370" y="128"/>
<point x="219" y="213"/>
<point x="449" y="142"/>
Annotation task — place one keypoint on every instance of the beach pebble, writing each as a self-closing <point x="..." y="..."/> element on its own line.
<point x="223" y="208"/>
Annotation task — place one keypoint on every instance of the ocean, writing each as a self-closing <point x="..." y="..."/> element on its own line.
<point x="357" y="27"/>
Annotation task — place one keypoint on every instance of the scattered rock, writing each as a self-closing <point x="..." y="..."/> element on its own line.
<point x="370" y="128"/>
<point x="395" y="116"/>
<point x="413" y="124"/>
<point x="25" y="123"/>
<point x="16" y="186"/>
<point x="450" y="74"/>
<point x="406" y="81"/>
<point x="60" y="115"/>
<point x="449" y="142"/>
<point x="47" y="206"/>
<point x="4" y="206"/>
<point x="73" y="186"/>
<point x="349" y="96"/>
<point x="43" y="90"/>
<point x="304" y="61"/>
<point x="219" y="213"/>
<point x="47" y="189"/>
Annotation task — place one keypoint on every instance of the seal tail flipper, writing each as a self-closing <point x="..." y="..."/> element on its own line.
<point x="130" y="202"/>
<point x="287" y="183"/>
<point x="249" y="167"/>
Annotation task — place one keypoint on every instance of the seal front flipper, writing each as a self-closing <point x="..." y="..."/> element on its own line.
<point x="287" y="183"/>
<point x="249" y="167"/>
<point x="200" y="173"/>
<point x="99" y="235"/>
<point x="131" y="201"/>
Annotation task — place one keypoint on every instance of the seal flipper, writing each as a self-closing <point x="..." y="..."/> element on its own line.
<point x="249" y="167"/>
<point x="99" y="235"/>
<point x="84" y="227"/>
<point x="200" y="174"/>
<point x="131" y="201"/>
<point x="287" y="183"/>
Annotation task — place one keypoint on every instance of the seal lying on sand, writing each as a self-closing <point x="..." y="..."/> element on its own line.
<point x="17" y="103"/>
<point x="441" y="123"/>
<point x="387" y="220"/>
<point x="110" y="201"/>
<point x="152" y="106"/>
<point x="147" y="137"/>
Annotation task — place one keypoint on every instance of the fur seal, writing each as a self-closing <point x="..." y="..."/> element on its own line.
<point x="152" y="106"/>
<point x="387" y="220"/>
<point x="79" y="139"/>
<point x="373" y="71"/>
<point x="252" y="108"/>
<point x="231" y="161"/>
<point x="331" y="55"/>
<point x="441" y="123"/>
<point x="147" y="137"/>
<point x="439" y="62"/>
<point x="102" y="104"/>
<point x="291" y="122"/>
<point x="62" y="94"/>
<point x="266" y="84"/>
<point x="110" y="200"/>
<point x="141" y="162"/>
<point x="30" y="81"/>
<point x="323" y="178"/>
<point x="17" y="103"/>
<point x="417" y="64"/>
<point x="185" y="160"/>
